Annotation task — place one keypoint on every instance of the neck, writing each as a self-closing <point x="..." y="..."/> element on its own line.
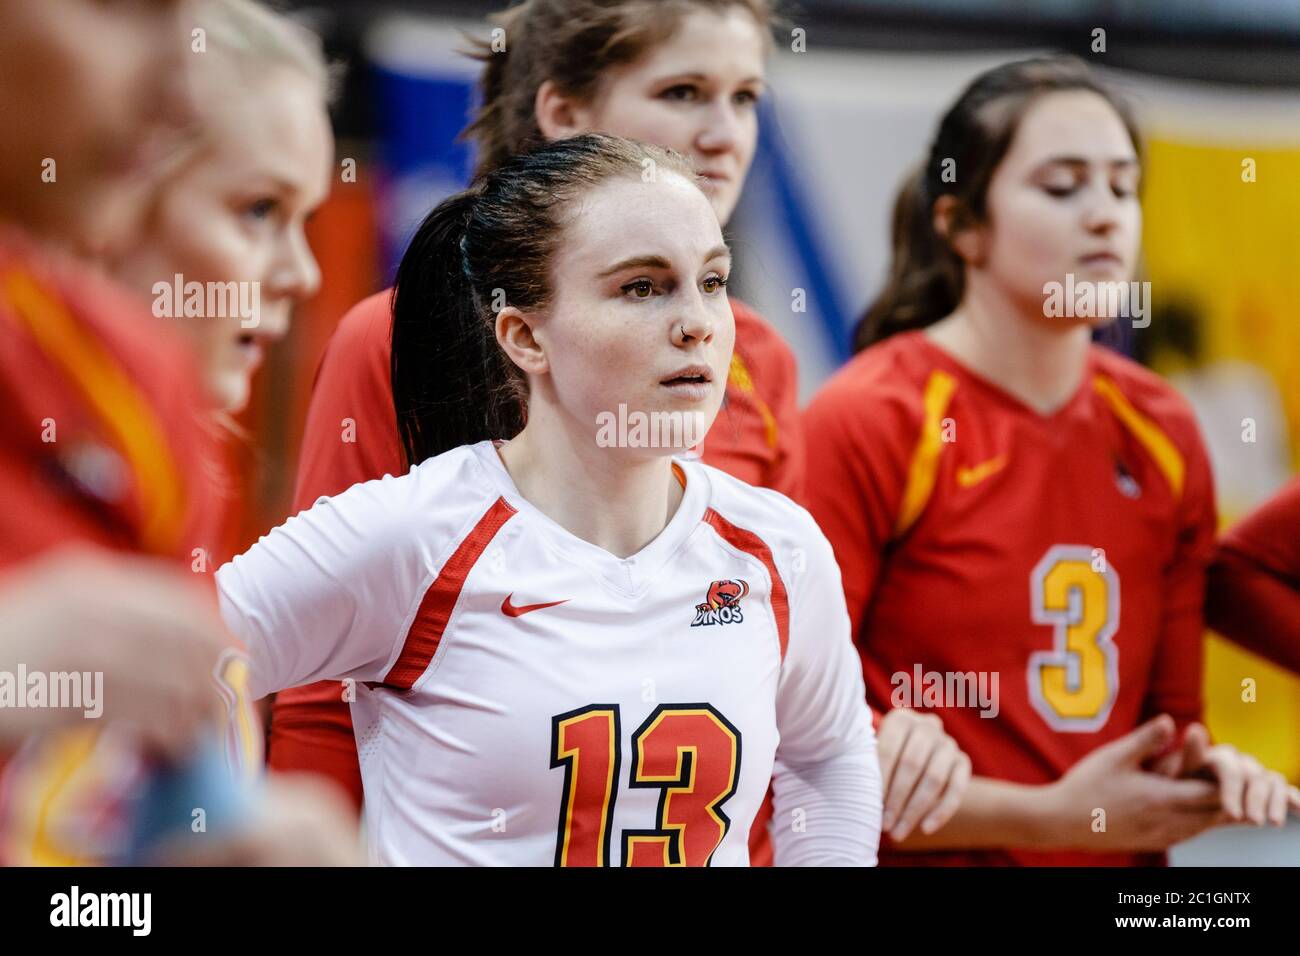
<point x="609" y="497"/>
<point x="1040" y="364"/>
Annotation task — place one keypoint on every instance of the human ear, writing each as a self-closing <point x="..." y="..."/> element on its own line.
<point x="515" y="335"/>
<point x="558" y="115"/>
<point x="967" y="239"/>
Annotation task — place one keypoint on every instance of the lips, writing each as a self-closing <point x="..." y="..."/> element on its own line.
<point x="250" y="348"/>
<point x="690" y="375"/>
<point x="1101" y="259"/>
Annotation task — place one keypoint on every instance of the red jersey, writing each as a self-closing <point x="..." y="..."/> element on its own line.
<point x="1254" y="583"/>
<point x="101" y="441"/>
<point x="102" y="444"/>
<point x="351" y="436"/>
<point x="981" y="541"/>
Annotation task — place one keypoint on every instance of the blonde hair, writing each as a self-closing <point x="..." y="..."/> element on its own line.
<point x="251" y="37"/>
<point x="244" y="41"/>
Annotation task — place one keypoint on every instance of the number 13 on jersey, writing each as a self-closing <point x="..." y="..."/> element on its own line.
<point x="689" y="752"/>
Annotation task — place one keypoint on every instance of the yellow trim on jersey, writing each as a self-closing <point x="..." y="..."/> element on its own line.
<point x="232" y="674"/>
<point x="925" y="458"/>
<point x="1166" y="454"/>
<point x="738" y="375"/>
<point x="69" y="757"/>
<point x="114" y="397"/>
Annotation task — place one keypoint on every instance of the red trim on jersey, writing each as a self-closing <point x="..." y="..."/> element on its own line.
<point x="436" y="607"/>
<point x="751" y="543"/>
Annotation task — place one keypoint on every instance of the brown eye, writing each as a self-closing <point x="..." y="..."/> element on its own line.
<point x="641" y="288"/>
<point x="714" y="284"/>
<point x="262" y="208"/>
<point x="682" y="92"/>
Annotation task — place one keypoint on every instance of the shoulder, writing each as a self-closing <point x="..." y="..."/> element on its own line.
<point x="757" y="341"/>
<point x="739" y="511"/>
<point x="437" y="501"/>
<point x="368" y="324"/>
<point x="881" y="391"/>
<point x="1125" y="384"/>
<point x="1268" y="534"/>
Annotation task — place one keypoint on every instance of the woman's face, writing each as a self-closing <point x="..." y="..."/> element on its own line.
<point x="237" y="213"/>
<point x="92" y="95"/>
<point x="696" y="93"/>
<point x="1064" y="202"/>
<point x="639" y="316"/>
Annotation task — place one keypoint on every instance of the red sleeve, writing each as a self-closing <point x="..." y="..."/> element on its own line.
<point x="860" y="432"/>
<point x="757" y="436"/>
<point x="1253" y="595"/>
<point x="350" y="437"/>
<point x="788" y="472"/>
<point x="351" y="430"/>
<point x="1176" y="677"/>
<point x="103" y="438"/>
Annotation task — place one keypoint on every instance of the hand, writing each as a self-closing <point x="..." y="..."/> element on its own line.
<point x="301" y="820"/>
<point x="1248" y="791"/>
<point x="923" y="773"/>
<point x="1145" y="810"/>
<point x="141" y="623"/>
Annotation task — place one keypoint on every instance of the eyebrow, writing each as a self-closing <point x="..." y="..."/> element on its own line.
<point x="1082" y="161"/>
<point x="703" y="78"/>
<point x="657" y="262"/>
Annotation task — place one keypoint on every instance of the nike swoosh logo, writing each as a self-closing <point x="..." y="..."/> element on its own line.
<point x="969" y="477"/>
<point x="511" y="610"/>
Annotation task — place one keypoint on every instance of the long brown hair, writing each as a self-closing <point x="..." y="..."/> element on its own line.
<point x="926" y="276"/>
<point x="572" y="43"/>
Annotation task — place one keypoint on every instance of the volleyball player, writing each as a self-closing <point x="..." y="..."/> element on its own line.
<point x="570" y="648"/>
<point x="685" y="74"/>
<point x="993" y="483"/>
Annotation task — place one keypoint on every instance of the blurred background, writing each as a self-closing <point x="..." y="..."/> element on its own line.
<point x="856" y="88"/>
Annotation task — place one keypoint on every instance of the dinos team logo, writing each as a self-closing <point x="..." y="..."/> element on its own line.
<point x="722" y="605"/>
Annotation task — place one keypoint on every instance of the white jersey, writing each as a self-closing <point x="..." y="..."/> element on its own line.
<point x="524" y="697"/>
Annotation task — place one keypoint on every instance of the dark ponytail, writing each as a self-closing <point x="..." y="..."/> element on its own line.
<point x="451" y="384"/>
<point x="478" y="251"/>
<point x="926" y="276"/>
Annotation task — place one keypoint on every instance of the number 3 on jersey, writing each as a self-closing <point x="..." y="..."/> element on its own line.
<point x="1076" y="593"/>
<point x="688" y="751"/>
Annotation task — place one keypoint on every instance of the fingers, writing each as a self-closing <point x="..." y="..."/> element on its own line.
<point x="1147" y="741"/>
<point x="1185" y="795"/>
<point x="1224" y="764"/>
<point x="895" y="725"/>
<point x="952" y="795"/>
<point x="934" y="779"/>
<point x="1171" y="765"/>
<point x="1279" y="791"/>
<point x="910" y="765"/>
<point x="1195" y="746"/>
<point x="1182" y="825"/>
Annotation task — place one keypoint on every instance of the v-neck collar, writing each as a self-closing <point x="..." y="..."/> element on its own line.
<point x="628" y="576"/>
<point x="954" y="364"/>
